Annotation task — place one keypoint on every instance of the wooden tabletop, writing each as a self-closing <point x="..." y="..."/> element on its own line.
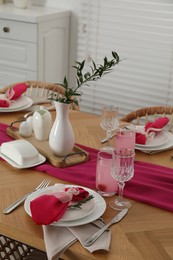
<point x="146" y="233"/>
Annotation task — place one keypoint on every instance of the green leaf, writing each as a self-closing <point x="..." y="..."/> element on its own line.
<point x="82" y="65"/>
<point x="95" y="73"/>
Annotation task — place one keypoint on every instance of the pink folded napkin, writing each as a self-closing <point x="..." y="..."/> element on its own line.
<point x="12" y="94"/>
<point x="48" y="208"/>
<point x="141" y="137"/>
<point x="158" y="124"/>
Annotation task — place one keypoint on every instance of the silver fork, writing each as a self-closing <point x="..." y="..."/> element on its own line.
<point x="15" y="204"/>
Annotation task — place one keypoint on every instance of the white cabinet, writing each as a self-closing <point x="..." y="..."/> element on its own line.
<point x="34" y="44"/>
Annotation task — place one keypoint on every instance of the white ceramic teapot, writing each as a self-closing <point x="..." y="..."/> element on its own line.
<point x="42" y="123"/>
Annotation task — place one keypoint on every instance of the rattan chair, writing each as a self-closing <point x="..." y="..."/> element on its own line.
<point x="14" y="250"/>
<point x="40" y="91"/>
<point x="146" y="114"/>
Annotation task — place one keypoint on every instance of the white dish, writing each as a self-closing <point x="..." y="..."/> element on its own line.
<point x="75" y="214"/>
<point x="98" y="210"/>
<point x="20" y="151"/>
<point x="161" y="138"/>
<point x="15" y="165"/>
<point x="20" y="104"/>
<point x="167" y="145"/>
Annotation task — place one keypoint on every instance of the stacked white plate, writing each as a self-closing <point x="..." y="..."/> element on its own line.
<point x="20" y="104"/>
<point x="89" y="211"/>
<point x="162" y="141"/>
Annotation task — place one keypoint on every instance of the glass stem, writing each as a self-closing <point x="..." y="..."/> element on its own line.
<point x="121" y="189"/>
<point x="108" y="135"/>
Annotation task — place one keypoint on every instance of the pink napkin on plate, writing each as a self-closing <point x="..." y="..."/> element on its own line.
<point x="48" y="208"/>
<point x="141" y="137"/>
<point x="158" y="124"/>
<point x="12" y="94"/>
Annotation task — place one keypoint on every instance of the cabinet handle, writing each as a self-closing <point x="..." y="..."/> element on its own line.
<point x="6" y="29"/>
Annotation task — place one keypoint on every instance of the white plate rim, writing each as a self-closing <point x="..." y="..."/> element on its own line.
<point x="15" y="165"/>
<point x="27" y="103"/>
<point x="97" y="212"/>
<point x="165" y="133"/>
<point x="168" y="144"/>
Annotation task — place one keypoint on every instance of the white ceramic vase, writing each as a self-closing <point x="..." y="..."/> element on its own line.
<point x="61" y="138"/>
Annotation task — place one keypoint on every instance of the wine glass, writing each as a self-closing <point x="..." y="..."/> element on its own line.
<point x="122" y="171"/>
<point x="109" y="122"/>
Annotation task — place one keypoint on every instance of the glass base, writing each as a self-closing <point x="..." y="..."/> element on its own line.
<point x="106" y="193"/>
<point x="117" y="205"/>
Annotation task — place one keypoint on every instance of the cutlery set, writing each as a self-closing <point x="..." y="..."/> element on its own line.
<point x="45" y="183"/>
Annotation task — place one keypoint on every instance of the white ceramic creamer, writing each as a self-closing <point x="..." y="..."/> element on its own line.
<point x="42" y="123"/>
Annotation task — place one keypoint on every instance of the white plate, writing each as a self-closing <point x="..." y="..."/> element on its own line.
<point x="12" y="163"/>
<point x="167" y="145"/>
<point x="75" y="214"/>
<point x="161" y="138"/>
<point x="98" y="210"/>
<point x="20" y="104"/>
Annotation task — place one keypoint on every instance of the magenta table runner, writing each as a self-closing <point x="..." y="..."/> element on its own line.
<point x="151" y="184"/>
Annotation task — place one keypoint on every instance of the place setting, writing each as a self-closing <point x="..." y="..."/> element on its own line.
<point x="13" y="99"/>
<point x="73" y="211"/>
<point x="154" y="137"/>
<point x="90" y="209"/>
<point x="151" y="138"/>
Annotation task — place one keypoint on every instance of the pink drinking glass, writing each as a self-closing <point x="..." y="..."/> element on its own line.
<point x="125" y="138"/>
<point x="106" y="184"/>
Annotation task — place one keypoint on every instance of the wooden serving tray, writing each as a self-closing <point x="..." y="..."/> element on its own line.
<point x="77" y="156"/>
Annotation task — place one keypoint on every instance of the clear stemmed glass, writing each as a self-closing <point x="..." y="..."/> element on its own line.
<point x="109" y="122"/>
<point x="122" y="171"/>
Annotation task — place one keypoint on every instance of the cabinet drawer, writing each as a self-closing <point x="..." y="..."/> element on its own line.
<point x="11" y="75"/>
<point x="21" y="31"/>
<point x="16" y="54"/>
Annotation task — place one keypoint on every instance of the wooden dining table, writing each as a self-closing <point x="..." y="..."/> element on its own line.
<point x="146" y="233"/>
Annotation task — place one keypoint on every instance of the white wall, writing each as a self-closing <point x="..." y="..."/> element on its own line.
<point x="73" y="6"/>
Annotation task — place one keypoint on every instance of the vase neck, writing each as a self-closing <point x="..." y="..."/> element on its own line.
<point x="62" y="109"/>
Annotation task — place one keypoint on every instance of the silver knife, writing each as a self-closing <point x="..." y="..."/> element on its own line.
<point x="89" y="241"/>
